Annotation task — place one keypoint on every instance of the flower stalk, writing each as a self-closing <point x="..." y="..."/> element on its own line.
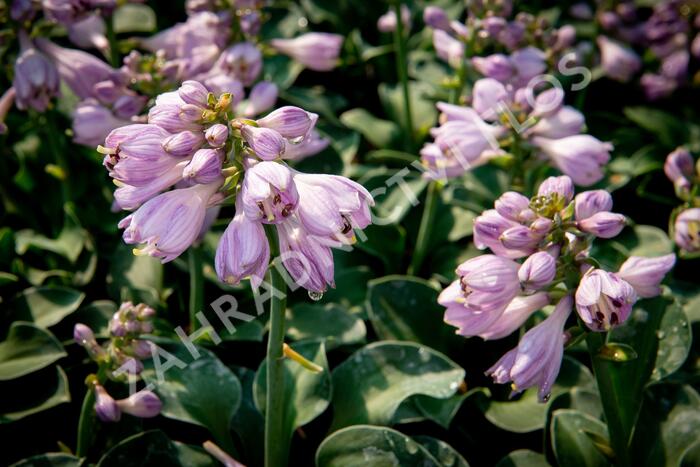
<point x="275" y="454"/>
<point x="196" y="286"/>
<point x="426" y="225"/>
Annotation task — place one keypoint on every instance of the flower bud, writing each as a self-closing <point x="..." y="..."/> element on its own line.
<point x="205" y="166"/>
<point x="645" y="274"/>
<point x="562" y="186"/>
<point x="537" y="271"/>
<point x="106" y="407"/>
<point x="267" y="144"/>
<point x="193" y="92"/>
<point x="216" y="135"/>
<point x="679" y="168"/>
<point x="592" y="202"/>
<point x="290" y="122"/>
<point x="603" y="224"/>
<point x="83" y="335"/>
<point x="687" y="230"/>
<point x="143" y="404"/>
<point x="183" y="143"/>
<point x="262" y="97"/>
<point x="436" y="18"/>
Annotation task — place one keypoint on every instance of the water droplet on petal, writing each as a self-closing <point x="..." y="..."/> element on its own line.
<point x="315" y="296"/>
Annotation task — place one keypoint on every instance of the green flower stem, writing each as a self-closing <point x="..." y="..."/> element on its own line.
<point x="619" y="431"/>
<point x="275" y="452"/>
<point x="114" y="57"/>
<point x="426" y="225"/>
<point x="196" y="285"/>
<point x="402" y="69"/>
<point x="56" y="146"/>
<point x="86" y="424"/>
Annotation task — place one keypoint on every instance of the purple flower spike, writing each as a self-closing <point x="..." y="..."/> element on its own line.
<point x="205" y="166"/>
<point x="581" y="157"/>
<point x="143" y="404"/>
<point x="537" y="271"/>
<point x="290" y="122"/>
<point x="537" y="358"/>
<point x="561" y="186"/>
<point x="168" y="223"/>
<point x="243" y="251"/>
<point x="645" y="274"/>
<point x="592" y="202"/>
<point x="217" y="135"/>
<point x="269" y="192"/>
<point x="603" y="300"/>
<point x="106" y="407"/>
<point x="267" y="143"/>
<point x="687" y="230"/>
<point x="679" y="168"/>
<point x="317" y="51"/>
<point x="603" y="224"/>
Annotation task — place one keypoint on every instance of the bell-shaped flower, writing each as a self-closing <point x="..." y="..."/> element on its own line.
<point x="242" y="251"/>
<point x="680" y="169"/>
<point x="537" y="271"/>
<point x="267" y="143"/>
<point x="591" y="202"/>
<point x="307" y="257"/>
<point x="36" y="79"/>
<point x="687" y="230"/>
<point x="142" y="404"/>
<point x="603" y="224"/>
<point x="290" y="122"/>
<point x="646" y="274"/>
<point x="205" y="166"/>
<point x="170" y="222"/>
<point x="537" y="358"/>
<point x="603" y="300"/>
<point x="317" y="51"/>
<point x="106" y="407"/>
<point x="581" y="157"/>
<point x="269" y="192"/>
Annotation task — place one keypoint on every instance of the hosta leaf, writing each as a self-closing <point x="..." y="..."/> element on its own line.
<point x="675" y="337"/>
<point x="526" y="413"/>
<point x="380" y="133"/>
<point x="330" y="322"/>
<point x="572" y="441"/>
<point x="523" y="458"/>
<point x="205" y="392"/>
<point x="27" y="348"/>
<point x="372" y="446"/>
<point x="134" y="18"/>
<point x="50" y="459"/>
<point x="445" y="454"/>
<point x="350" y="287"/>
<point x="668" y="128"/>
<point x="68" y="244"/>
<point x="33" y="393"/>
<point x="406" y="308"/>
<point x="154" y="448"/>
<point x="371" y="384"/>
<point x="96" y="315"/>
<point x="423" y="108"/>
<point x="135" y="278"/>
<point x="248" y="422"/>
<point x="46" y="306"/>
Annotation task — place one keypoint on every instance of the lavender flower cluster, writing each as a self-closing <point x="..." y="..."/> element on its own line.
<point x="193" y="142"/>
<point x="553" y="232"/>
<point x="505" y="117"/>
<point x="125" y="349"/>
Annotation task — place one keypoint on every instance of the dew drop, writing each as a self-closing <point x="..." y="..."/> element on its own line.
<point x="315" y="296"/>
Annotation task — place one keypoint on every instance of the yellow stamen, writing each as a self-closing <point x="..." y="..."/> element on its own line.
<point x="300" y="359"/>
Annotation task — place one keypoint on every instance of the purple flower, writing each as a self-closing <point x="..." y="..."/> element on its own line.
<point x="436" y="18"/>
<point x="243" y="251"/>
<point x="680" y="169"/>
<point x="515" y="207"/>
<point x="657" y="86"/>
<point x="561" y="186"/>
<point x="581" y="157"/>
<point x="269" y="192"/>
<point x="135" y="154"/>
<point x="317" y="51"/>
<point x="488" y="97"/>
<point x="537" y="271"/>
<point x="537" y="358"/>
<point x="205" y="166"/>
<point x="515" y="315"/>
<point x="243" y="61"/>
<point x="591" y="202"/>
<point x="687" y="230"/>
<point x="217" y="135"/>
<point x="307" y="257"/>
<point x="603" y="224"/>
<point x="36" y="79"/>
<point x="675" y="66"/>
<point x="387" y="22"/>
<point x="496" y="66"/>
<point x="83" y="335"/>
<point x="220" y="84"/>
<point x="488" y="229"/>
<point x="193" y="92"/>
<point x="92" y="123"/>
<point x="130" y="197"/>
<point x="603" y="300"/>
<point x="106" y="407"/>
<point x="170" y="222"/>
<point x="333" y="206"/>
<point x="448" y="48"/>
<point x="6" y="101"/>
<point x="262" y="97"/>
<point x="291" y="122"/>
<point x="143" y="404"/>
<point x="566" y="122"/>
<point x="645" y="274"/>
<point x="183" y="143"/>
<point x="529" y="62"/>
<point x="312" y="144"/>
<point x="520" y="239"/>
<point x="89" y="32"/>
<point x="488" y="283"/>
<point x="618" y="61"/>
<point x="79" y="70"/>
<point x="266" y="143"/>
<point x="174" y="114"/>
